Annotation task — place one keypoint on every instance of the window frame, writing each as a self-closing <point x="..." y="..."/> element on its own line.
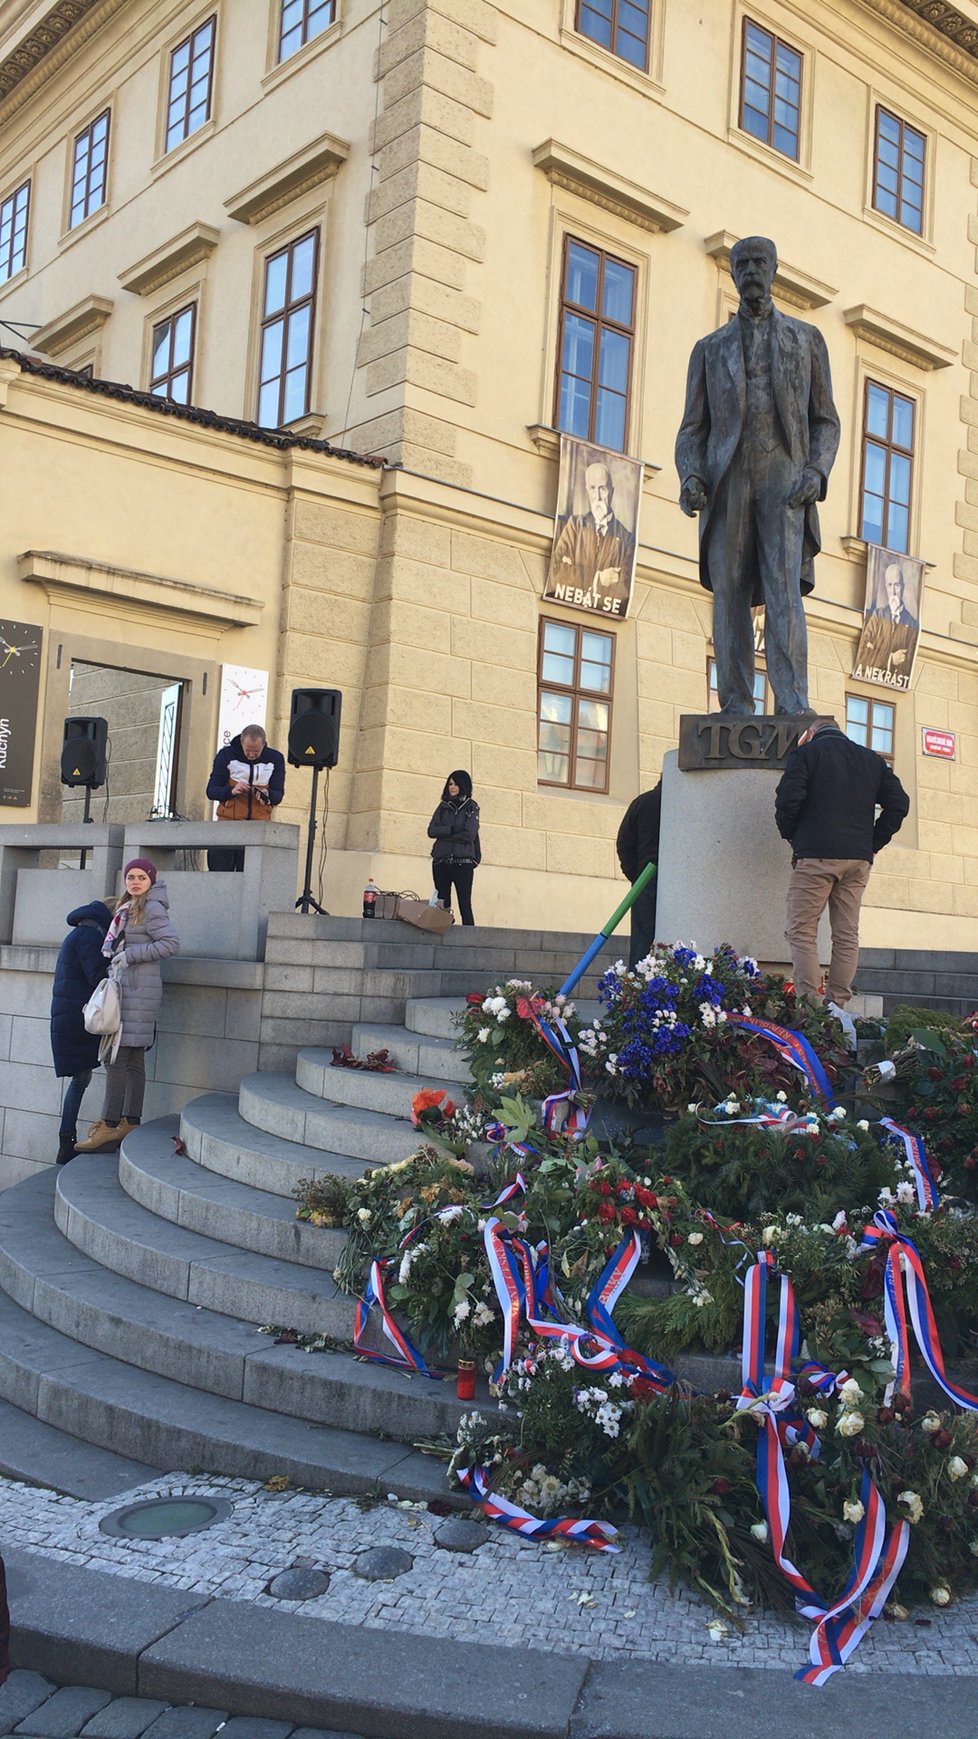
<point x="88" y="210"/>
<point x="23" y="187"/>
<point x="576" y="693"/>
<point x="873" y="704"/>
<point x="776" y="42"/>
<point x="281" y="54"/>
<point x="879" y="110"/>
<point x="187" y="41"/>
<point x="712" y="694"/>
<point x="614" y="20"/>
<point x="287" y="246"/>
<point x="889" y="448"/>
<point x="169" y="319"/>
<point x="569" y="239"/>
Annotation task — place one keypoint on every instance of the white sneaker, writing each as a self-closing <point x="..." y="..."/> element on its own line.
<point x="846" y="1022"/>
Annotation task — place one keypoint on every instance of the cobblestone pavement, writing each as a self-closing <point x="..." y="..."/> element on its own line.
<point x="32" y="1708"/>
<point x="598" y="1603"/>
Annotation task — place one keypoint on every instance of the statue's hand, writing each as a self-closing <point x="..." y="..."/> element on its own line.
<point x="808" y="489"/>
<point x="692" y="496"/>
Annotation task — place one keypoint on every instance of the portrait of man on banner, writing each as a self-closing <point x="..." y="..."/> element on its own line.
<point x="891" y="619"/>
<point x="592" y="563"/>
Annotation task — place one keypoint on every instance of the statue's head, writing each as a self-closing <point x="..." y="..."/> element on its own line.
<point x="753" y="263"/>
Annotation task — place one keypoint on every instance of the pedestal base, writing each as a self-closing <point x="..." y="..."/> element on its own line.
<point x="723" y="866"/>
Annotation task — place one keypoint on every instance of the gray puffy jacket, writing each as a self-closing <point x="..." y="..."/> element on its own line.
<point x="140" y="981"/>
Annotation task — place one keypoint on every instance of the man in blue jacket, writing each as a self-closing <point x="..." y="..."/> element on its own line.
<point x="78" y="969"/>
<point x="247" y="782"/>
<point x="826" y="805"/>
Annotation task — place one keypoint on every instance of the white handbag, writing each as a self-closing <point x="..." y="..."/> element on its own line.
<point x="102" y="1012"/>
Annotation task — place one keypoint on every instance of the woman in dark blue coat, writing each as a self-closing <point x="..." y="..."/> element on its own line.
<point x="79" y="967"/>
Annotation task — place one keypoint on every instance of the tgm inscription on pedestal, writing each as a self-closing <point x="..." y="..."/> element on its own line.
<point x="713" y="740"/>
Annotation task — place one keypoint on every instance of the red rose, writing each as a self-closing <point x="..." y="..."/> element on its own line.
<point x="963" y="1108"/>
<point x="629" y="1217"/>
<point x="968" y="1062"/>
<point x="931" y="1113"/>
<point x="605" y="1211"/>
<point x="911" y="1113"/>
<point x="799" y="1153"/>
<point x="604" y="1189"/>
<point x="885" y="1415"/>
<point x="675" y="1238"/>
<point x="722" y="1486"/>
<point x="957" y="1084"/>
<point x="475" y="996"/>
<point x="524" y="1008"/>
<point x="933" y="1074"/>
<point x="942" y="1439"/>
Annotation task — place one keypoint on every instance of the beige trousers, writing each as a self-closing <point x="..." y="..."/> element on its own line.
<point x="817" y="882"/>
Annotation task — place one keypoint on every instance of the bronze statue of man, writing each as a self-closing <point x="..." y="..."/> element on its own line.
<point x="754" y="451"/>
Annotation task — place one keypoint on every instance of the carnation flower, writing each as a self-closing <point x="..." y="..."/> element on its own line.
<point x="482" y="1037"/>
<point x="853" y="1510"/>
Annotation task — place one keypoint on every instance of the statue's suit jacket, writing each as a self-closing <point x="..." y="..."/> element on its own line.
<point x="713" y="421"/>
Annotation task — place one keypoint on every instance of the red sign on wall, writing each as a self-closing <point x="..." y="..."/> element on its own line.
<point x="938" y="743"/>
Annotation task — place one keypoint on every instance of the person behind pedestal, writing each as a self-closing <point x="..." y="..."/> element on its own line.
<point x="637" y="845"/>
<point x="825" y="805"/>
<point x="757" y="441"/>
<point x="247" y="782"/>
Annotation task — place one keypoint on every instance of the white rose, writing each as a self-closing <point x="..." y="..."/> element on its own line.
<point x="941" y="1595"/>
<point x="364" y="1216"/>
<point x="482" y="1037"/>
<point x="956" y="1467"/>
<point x="930" y="1422"/>
<point x="912" y="1503"/>
<point x="850" y="1392"/>
<point x="862" y="1124"/>
<point x="760" y="1532"/>
<point x="695" y="1238"/>
<point x="850" y="1425"/>
<point x="852" y="1510"/>
<point x="782" y="1097"/>
<point x="768" y="1235"/>
<point x="817" y="1419"/>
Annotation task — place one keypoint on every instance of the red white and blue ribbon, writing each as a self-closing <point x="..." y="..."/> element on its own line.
<point x="601" y="1535"/>
<point x="407" y="1357"/>
<point x="905" y="1294"/>
<point x="769" y="1116"/>
<point x="559" y="1042"/>
<point x="839" y="1625"/>
<point x="521" y="1278"/>
<point x="793" y="1047"/>
<point x="928" y="1195"/>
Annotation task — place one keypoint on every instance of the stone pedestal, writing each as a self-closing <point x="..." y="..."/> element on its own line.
<point x="723" y="866"/>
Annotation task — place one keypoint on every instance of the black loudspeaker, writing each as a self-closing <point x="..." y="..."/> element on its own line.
<point x="83" y="752"/>
<point x="314" y="727"/>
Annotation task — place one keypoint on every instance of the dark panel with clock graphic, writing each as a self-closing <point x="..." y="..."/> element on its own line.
<point x="20" y="668"/>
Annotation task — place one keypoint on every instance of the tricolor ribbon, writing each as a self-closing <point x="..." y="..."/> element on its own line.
<point x="905" y="1294"/>
<point x="559" y="1042"/>
<point x="928" y="1195"/>
<point x="792" y="1047"/>
<point x="770" y="1116"/>
<point x="407" y="1358"/>
<point x="519" y="1521"/>
<point x="521" y="1278"/>
<point x="839" y="1625"/>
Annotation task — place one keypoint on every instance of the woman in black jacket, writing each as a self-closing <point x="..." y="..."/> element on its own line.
<point x="78" y="969"/>
<point x="454" y="827"/>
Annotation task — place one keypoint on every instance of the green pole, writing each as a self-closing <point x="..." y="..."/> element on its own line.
<point x="607" y="930"/>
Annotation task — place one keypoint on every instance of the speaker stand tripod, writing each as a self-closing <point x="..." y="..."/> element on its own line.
<point x="305" y="902"/>
<point x="83" y="854"/>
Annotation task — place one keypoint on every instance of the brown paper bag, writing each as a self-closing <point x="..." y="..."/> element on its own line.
<point x="434" y="919"/>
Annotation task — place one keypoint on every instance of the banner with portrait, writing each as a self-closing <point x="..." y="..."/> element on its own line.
<point x="592" y="561"/>
<point x="891" y="619"/>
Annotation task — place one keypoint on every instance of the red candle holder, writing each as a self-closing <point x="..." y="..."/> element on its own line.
<point x="465" y="1380"/>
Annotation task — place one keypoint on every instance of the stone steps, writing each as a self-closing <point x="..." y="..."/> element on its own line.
<point x="202" y="1349"/>
<point x="412" y="1053"/>
<point x="165" y="1425"/>
<point x="94" y="1214"/>
<point x="361" y="1089"/>
<point x="278" y="1105"/>
<point x="175" y="1188"/>
<point x="219" y="1139"/>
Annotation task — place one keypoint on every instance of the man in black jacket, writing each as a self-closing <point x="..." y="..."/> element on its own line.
<point x="248" y="777"/>
<point x="638" y="844"/>
<point x="826" y="805"/>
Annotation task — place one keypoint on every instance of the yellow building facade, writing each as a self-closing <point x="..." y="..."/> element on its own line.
<point x="435" y="233"/>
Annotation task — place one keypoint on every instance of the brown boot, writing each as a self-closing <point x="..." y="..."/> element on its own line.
<point x="100" y="1135"/>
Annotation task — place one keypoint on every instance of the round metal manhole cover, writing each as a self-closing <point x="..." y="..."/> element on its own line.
<point x="163" y="1518"/>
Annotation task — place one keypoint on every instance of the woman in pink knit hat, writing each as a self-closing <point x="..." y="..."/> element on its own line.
<point x="138" y="938"/>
